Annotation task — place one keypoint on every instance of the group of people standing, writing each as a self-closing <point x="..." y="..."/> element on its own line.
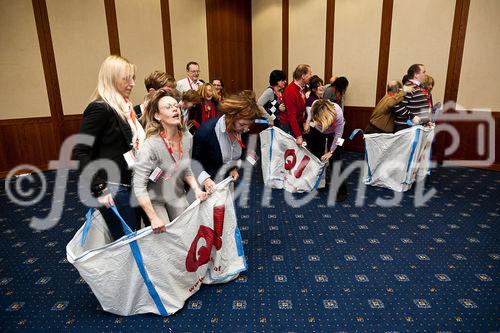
<point x="309" y="111"/>
<point x="185" y="132"/>
<point x="150" y="145"/>
<point x="407" y="102"/>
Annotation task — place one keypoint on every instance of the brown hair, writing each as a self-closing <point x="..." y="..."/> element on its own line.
<point x="191" y="96"/>
<point x="157" y="80"/>
<point x="153" y="126"/>
<point x="301" y="69"/>
<point x="429" y="81"/>
<point x="240" y="106"/>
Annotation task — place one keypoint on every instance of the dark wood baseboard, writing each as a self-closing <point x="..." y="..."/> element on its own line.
<point x="32" y="141"/>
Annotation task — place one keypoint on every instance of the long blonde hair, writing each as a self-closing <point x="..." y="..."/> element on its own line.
<point x="323" y="113"/>
<point x="112" y="69"/>
<point x="153" y="126"/>
<point x="203" y="91"/>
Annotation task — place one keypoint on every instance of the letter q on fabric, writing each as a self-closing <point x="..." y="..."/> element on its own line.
<point x="144" y="272"/>
<point x="287" y="166"/>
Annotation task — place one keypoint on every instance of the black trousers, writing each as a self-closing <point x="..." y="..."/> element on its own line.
<point x="319" y="143"/>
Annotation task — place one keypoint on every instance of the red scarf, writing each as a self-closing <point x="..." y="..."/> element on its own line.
<point x="207" y="110"/>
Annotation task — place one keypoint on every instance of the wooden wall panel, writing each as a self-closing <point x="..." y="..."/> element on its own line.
<point x="307" y="35"/>
<point x="141" y="40"/>
<point x="357" y="57"/>
<point x="266" y="41"/>
<point x="27" y="141"/>
<point x="479" y="84"/>
<point x="77" y="60"/>
<point x="229" y="36"/>
<point x="188" y="26"/>
<point x="20" y="63"/>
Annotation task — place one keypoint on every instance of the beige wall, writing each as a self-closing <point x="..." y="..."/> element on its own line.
<point x="306" y="37"/>
<point x="141" y="39"/>
<point x="479" y="85"/>
<point x="80" y="40"/>
<point x="189" y="36"/>
<point x="356" y="47"/>
<point x="266" y="41"/>
<point x="425" y="41"/>
<point x="23" y="93"/>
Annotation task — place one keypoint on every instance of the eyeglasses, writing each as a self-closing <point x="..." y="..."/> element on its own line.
<point x="169" y="107"/>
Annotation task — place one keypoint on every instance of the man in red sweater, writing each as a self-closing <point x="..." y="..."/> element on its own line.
<point x="292" y="119"/>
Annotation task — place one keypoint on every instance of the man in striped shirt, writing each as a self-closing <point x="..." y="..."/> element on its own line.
<point x="416" y="105"/>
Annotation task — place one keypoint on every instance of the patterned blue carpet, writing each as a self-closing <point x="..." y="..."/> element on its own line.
<point x="311" y="268"/>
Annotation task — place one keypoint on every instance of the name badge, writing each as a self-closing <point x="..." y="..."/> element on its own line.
<point x="130" y="158"/>
<point x="156" y="174"/>
<point x="252" y="159"/>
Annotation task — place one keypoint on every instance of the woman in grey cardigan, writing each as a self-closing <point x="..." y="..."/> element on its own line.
<point x="163" y="163"/>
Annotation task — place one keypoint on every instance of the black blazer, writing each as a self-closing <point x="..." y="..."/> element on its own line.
<point x="113" y="138"/>
<point x="206" y="150"/>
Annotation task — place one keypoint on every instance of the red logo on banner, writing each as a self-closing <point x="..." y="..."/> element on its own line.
<point x="212" y="238"/>
<point x="291" y="160"/>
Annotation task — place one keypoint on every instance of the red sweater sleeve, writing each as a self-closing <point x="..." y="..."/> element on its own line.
<point x="291" y="103"/>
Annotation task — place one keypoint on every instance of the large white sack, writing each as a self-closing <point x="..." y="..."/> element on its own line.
<point x="112" y="272"/>
<point x="287" y="166"/>
<point x="395" y="161"/>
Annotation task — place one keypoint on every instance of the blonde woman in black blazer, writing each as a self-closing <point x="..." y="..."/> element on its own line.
<point x="110" y="119"/>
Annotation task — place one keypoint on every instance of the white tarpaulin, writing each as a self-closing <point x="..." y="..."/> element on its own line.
<point x="286" y="165"/>
<point x="144" y="272"/>
<point x="396" y="160"/>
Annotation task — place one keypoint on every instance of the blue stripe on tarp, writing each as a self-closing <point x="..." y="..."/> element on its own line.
<point x="271" y="150"/>
<point x="136" y="251"/>
<point x="237" y="240"/>
<point x="354" y="133"/>
<point x="368" y="163"/>
<point x="413" y="147"/>
<point x="86" y="228"/>
<point x="318" y="180"/>
<point x="430" y="160"/>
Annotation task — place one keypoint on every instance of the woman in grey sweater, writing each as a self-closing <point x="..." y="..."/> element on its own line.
<point x="163" y="164"/>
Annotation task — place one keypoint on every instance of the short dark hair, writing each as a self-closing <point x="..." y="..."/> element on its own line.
<point x="301" y="69"/>
<point x="414" y="69"/>
<point x="315" y="82"/>
<point x="405" y="79"/>
<point x="191" y="63"/>
<point x="276" y="76"/>
<point x="340" y="84"/>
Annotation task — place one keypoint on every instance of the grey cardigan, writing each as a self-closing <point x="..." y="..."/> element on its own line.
<point x="154" y="154"/>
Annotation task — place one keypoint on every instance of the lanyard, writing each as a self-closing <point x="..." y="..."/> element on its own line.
<point x="278" y="94"/>
<point x="190" y="86"/>
<point x="134" y="121"/>
<point x="238" y="139"/>
<point x="171" y="152"/>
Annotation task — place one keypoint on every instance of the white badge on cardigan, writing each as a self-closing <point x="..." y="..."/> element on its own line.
<point x="156" y="174"/>
<point x="130" y="158"/>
